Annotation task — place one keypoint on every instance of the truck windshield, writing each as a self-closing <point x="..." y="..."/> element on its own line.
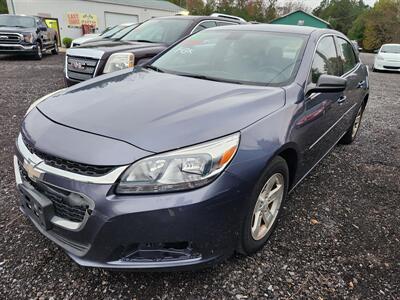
<point x="16" y="21"/>
<point x="112" y="31"/>
<point x="236" y="56"/>
<point x="165" y="31"/>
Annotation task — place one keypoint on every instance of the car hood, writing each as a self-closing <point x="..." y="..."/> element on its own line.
<point x="109" y="45"/>
<point x="390" y="56"/>
<point x="159" y="112"/>
<point x="86" y="38"/>
<point x="17" y="29"/>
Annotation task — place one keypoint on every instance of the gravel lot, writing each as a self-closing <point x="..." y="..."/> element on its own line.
<point x="339" y="236"/>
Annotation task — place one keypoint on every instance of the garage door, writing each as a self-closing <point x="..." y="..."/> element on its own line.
<point x="113" y="19"/>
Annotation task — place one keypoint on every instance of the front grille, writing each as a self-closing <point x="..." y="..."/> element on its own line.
<point x="9" y="38"/>
<point x="81" y="68"/>
<point x="61" y="199"/>
<point x="67" y="165"/>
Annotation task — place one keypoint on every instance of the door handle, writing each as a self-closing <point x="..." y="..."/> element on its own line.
<point x="341" y="99"/>
<point x="361" y="84"/>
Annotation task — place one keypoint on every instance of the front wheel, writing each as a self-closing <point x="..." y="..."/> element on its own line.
<point x="39" y="53"/>
<point x="351" y="134"/>
<point x="55" y="48"/>
<point x="265" y="206"/>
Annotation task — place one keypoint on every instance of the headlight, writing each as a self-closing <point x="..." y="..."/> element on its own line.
<point x="379" y="57"/>
<point x="119" y="61"/>
<point x="178" y="170"/>
<point x="36" y="103"/>
<point x="28" y="37"/>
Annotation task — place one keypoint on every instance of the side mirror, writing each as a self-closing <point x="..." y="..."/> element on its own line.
<point x="328" y="84"/>
<point x="42" y="28"/>
<point x="376" y="50"/>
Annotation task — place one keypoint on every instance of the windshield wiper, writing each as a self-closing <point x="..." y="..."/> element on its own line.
<point x="142" y="41"/>
<point x="205" y="77"/>
<point x="154" y="68"/>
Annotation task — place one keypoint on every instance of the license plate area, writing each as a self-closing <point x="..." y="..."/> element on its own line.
<point x="38" y="207"/>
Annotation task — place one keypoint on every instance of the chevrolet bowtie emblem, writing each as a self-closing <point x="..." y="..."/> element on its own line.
<point x="33" y="173"/>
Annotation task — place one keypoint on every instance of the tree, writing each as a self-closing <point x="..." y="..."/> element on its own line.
<point x="291" y="6"/>
<point x="340" y="13"/>
<point x="382" y="24"/>
<point x="251" y="10"/>
<point x="3" y="7"/>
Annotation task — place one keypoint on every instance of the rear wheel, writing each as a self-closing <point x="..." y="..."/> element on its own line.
<point x="39" y="52"/>
<point x="266" y="204"/>
<point x="351" y="134"/>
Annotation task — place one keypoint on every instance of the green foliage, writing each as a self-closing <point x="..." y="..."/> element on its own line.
<point x="382" y="24"/>
<point x="250" y="10"/>
<point x="67" y="42"/>
<point x="357" y="30"/>
<point x="340" y="13"/>
<point x="3" y="7"/>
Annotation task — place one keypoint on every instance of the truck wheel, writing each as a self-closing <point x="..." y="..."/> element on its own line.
<point x="39" y="52"/>
<point x="55" y="49"/>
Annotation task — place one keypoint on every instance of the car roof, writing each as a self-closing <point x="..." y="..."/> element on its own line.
<point x="200" y="18"/>
<point x="306" y="30"/>
<point x="391" y="44"/>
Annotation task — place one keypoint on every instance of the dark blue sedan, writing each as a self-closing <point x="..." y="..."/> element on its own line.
<point x="189" y="158"/>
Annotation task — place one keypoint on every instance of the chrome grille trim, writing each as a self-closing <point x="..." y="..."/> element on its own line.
<point x="12" y="38"/>
<point x="81" y="68"/>
<point x="41" y="166"/>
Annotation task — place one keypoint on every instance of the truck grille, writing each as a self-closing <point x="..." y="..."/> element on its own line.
<point x="60" y="199"/>
<point x="9" y="38"/>
<point x="67" y="165"/>
<point x="81" y="68"/>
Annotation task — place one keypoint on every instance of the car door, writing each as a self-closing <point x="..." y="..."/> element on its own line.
<point x="353" y="71"/>
<point x="315" y="125"/>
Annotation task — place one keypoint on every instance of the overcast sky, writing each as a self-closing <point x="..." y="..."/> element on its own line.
<point x="315" y="3"/>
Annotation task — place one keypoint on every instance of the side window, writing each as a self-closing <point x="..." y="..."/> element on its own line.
<point x="204" y="25"/>
<point x="347" y="57"/>
<point x="325" y="59"/>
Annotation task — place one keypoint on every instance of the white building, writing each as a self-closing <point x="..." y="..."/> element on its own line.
<point x="68" y="16"/>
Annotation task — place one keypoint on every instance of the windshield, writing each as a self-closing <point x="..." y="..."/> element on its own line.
<point x="17" y="21"/>
<point x="238" y="56"/>
<point x="124" y="31"/>
<point x="112" y="31"/>
<point x="390" y="49"/>
<point x="165" y="31"/>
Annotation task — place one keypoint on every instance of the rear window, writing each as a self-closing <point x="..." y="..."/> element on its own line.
<point x="166" y="31"/>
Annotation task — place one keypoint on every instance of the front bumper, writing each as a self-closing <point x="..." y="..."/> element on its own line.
<point x="164" y="231"/>
<point x="385" y="65"/>
<point x="17" y="48"/>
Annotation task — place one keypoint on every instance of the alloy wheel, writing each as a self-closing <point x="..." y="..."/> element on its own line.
<point x="267" y="206"/>
<point x="356" y="124"/>
<point x="39" y="51"/>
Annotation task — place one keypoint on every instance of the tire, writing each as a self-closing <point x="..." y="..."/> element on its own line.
<point x="351" y="133"/>
<point x="251" y="239"/>
<point x="39" y="52"/>
<point x="55" y="49"/>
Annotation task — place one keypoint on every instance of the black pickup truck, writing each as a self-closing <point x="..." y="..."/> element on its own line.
<point x="26" y="35"/>
<point x="137" y="47"/>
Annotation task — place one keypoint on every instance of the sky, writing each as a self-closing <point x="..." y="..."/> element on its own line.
<point x="314" y="3"/>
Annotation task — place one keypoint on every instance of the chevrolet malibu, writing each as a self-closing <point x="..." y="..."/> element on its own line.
<point x="189" y="158"/>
